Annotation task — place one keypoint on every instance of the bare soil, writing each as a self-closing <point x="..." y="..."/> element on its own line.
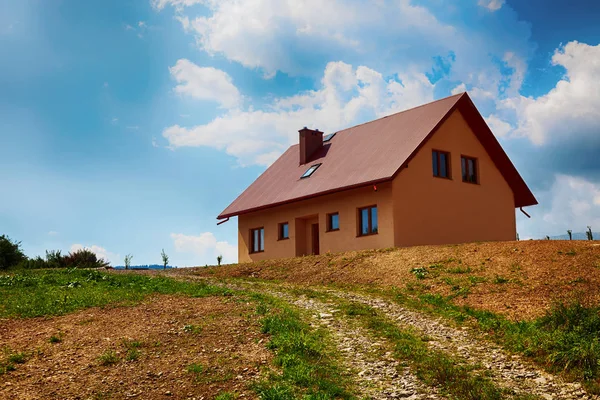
<point x="518" y="279"/>
<point x="174" y="332"/>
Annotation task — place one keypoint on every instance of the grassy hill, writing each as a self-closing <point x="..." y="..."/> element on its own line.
<point x="516" y="279"/>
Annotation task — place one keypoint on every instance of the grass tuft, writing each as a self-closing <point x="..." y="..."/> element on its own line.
<point x="109" y="357"/>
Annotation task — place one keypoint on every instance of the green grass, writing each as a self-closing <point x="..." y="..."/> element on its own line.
<point x="55" y="338"/>
<point x="195" y="369"/>
<point x="34" y="293"/>
<point x="565" y="340"/>
<point x="109" y="357"/>
<point x="225" y="396"/>
<point x="304" y="355"/>
<point x="433" y="367"/>
<point x="193" y="329"/>
<point x="133" y="349"/>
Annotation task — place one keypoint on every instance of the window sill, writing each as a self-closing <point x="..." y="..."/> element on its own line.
<point x="367" y="234"/>
<point x="280" y="239"/>
<point x="471" y="183"/>
<point x="332" y="230"/>
<point x="448" y="178"/>
<point x="256" y="252"/>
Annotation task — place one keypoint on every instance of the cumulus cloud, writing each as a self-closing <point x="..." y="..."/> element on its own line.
<point x="347" y="96"/>
<point x="573" y="203"/>
<point x="571" y="110"/>
<point x="206" y="247"/>
<point x="205" y="83"/>
<point x="298" y="37"/>
<point x="179" y="4"/>
<point x="498" y="126"/>
<point x="492" y="5"/>
<point x="100" y="252"/>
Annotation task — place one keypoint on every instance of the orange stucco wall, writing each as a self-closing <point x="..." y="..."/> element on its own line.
<point x="301" y="215"/>
<point x="431" y="210"/>
<point x="415" y="208"/>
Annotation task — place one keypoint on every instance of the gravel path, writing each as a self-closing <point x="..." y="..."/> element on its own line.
<point x="507" y="370"/>
<point x="377" y="375"/>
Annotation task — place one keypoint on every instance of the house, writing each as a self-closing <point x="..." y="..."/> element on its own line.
<point x="434" y="174"/>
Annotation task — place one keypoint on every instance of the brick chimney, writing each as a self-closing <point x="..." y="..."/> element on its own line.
<point x="310" y="142"/>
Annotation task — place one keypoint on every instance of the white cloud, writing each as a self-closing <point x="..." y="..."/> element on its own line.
<point x="575" y="205"/>
<point x="52" y="233"/>
<point x="114" y="120"/>
<point x="105" y="84"/>
<point x="133" y="127"/>
<point x="492" y="5"/>
<point x="572" y="108"/>
<point x="205" y="247"/>
<point x="129" y="27"/>
<point x="179" y="4"/>
<point x="499" y="127"/>
<point x="154" y="142"/>
<point x="205" y="83"/>
<point x="347" y="96"/>
<point x="100" y="252"/>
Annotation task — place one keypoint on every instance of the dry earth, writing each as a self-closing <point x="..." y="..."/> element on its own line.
<point x="220" y="335"/>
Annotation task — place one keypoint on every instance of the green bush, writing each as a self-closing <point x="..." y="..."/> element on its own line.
<point x="10" y="253"/>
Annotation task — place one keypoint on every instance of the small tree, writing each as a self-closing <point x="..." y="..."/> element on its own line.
<point x="518" y="238"/>
<point x="165" y="258"/>
<point x="10" y="252"/>
<point x="547" y="237"/>
<point x="128" y="258"/>
<point x="570" y="233"/>
<point x="219" y="259"/>
<point x="589" y="233"/>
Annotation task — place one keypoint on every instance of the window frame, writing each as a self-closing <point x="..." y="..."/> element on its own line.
<point x="329" y="228"/>
<point x="370" y="221"/>
<point x="475" y="166"/>
<point x="261" y="240"/>
<point x="315" y="166"/>
<point x="280" y="231"/>
<point x="448" y="164"/>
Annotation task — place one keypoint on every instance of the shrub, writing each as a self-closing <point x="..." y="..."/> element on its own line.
<point x="10" y="253"/>
<point x="84" y="258"/>
<point x="589" y="233"/>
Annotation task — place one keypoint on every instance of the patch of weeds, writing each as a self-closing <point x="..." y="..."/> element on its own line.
<point x="571" y="253"/>
<point x="417" y="287"/>
<point x="17" y="358"/>
<point x="133" y="349"/>
<point x="6" y="367"/>
<point x="515" y="267"/>
<point x="195" y="369"/>
<point x="474" y="280"/>
<point x="225" y="396"/>
<point x="420" y="272"/>
<point x="56" y="338"/>
<point x="436" y="266"/>
<point x="460" y="270"/>
<point x="109" y="357"/>
<point x="499" y="280"/>
<point x="193" y="329"/>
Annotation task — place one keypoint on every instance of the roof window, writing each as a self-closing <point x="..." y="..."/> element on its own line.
<point x="327" y="138"/>
<point x="310" y="171"/>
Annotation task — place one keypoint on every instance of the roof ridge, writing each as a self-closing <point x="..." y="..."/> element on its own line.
<point x="403" y="111"/>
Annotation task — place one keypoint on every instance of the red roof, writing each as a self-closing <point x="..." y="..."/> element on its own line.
<point x="370" y="153"/>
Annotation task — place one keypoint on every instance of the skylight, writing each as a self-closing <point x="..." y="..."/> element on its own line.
<point x="327" y="138"/>
<point x="310" y="171"/>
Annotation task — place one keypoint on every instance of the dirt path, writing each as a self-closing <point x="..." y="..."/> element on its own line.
<point x="376" y="374"/>
<point x="507" y="370"/>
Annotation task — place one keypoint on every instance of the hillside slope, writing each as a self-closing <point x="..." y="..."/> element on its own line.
<point x="517" y="279"/>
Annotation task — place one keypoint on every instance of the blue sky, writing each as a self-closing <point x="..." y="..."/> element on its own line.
<point x="127" y="126"/>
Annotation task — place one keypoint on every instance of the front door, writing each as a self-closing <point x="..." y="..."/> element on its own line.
<point x="315" y="239"/>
